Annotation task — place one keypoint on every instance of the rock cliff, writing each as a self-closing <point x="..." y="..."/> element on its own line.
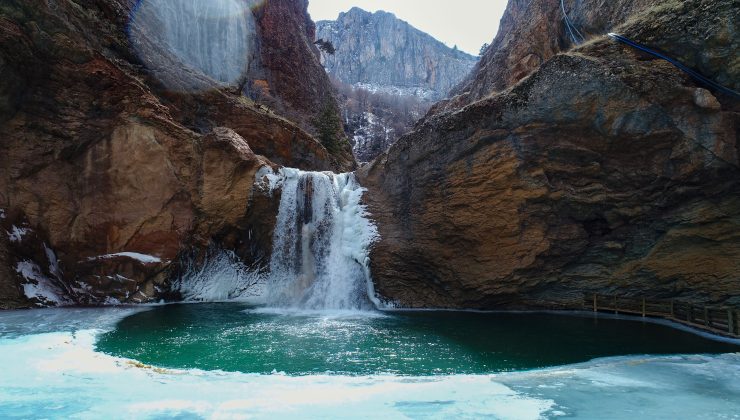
<point x="116" y="159"/>
<point x="382" y="51"/>
<point x="388" y="74"/>
<point x="531" y="32"/>
<point x="588" y="169"/>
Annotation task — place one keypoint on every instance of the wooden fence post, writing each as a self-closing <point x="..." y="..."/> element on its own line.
<point x="596" y="308"/>
<point x="643" y="307"/>
<point x="616" y="311"/>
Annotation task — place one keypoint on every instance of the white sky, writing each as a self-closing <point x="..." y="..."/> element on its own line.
<point x="465" y="23"/>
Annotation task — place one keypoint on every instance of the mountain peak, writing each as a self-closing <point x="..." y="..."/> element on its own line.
<point x="359" y="11"/>
<point x="380" y="49"/>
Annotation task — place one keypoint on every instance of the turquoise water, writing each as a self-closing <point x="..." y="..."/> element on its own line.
<point x="237" y="338"/>
<point x="51" y="369"/>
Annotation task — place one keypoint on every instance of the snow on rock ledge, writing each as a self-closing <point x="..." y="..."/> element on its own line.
<point x="142" y="258"/>
<point x="38" y="287"/>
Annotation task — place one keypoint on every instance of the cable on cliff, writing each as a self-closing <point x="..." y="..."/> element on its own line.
<point x="577" y="37"/>
<point x="695" y="75"/>
<point x="574" y="33"/>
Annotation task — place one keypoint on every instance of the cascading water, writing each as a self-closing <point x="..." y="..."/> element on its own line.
<point x="320" y="244"/>
<point x="320" y="249"/>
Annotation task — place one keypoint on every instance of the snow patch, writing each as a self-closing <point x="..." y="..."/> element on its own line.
<point x="268" y="180"/>
<point x="142" y="258"/>
<point x="38" y="286"/>
<point x="370" y="128"/>
<point x="16" y="233"/>
<point x="417" y="91"/>
<point x="2" y="214"/>
<point x="111" y="301"/>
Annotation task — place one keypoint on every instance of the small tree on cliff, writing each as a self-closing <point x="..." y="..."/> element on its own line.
<point x="483" y="49"/>
<point x="325" y="46"/>
<point x="328" y="126"/>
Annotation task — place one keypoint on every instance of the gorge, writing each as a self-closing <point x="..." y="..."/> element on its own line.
<point x="187" y="231"/>
<point x="388" y="74"/>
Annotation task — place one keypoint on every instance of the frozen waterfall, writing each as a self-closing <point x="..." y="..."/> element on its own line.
<point x="320" y="249"/>
<point x="320" y="244"/>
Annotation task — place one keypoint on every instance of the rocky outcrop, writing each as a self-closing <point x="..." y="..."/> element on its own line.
<point x="287" y="73"/>
<point x="381" y="51"/>
<point x="604" y="170"/>
<point x="531" y="32"/>
<point x="111" y="169"/>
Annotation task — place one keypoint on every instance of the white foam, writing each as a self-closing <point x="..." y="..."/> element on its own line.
<point x="316" y="313"/>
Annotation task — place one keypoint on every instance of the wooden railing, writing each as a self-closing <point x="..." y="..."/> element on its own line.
<point x="718" y="320"/>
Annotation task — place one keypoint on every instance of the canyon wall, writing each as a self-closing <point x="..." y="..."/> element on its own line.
<point x="594" y="169"/>
<point x="531" y="32"/>
<point x="117" y="158"/>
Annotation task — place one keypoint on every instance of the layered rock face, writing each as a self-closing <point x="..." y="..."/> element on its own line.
<point x="603" y="171"/>
<point x="531" y="32"/>
<point x="114" y="165"/>
<point x="378" y="49"/>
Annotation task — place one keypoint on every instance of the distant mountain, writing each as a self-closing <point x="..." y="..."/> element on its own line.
<point x="388" y="74"/>
<point x="386" y="54"/>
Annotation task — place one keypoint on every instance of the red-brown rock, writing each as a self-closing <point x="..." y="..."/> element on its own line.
<point x="99" y="158"/>
<point x="604" y="171"/>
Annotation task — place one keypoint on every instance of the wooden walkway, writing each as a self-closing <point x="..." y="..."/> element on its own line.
<point x="717" y="320"/>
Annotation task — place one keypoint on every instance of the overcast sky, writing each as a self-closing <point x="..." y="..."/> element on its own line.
<point x="465" y="23"/>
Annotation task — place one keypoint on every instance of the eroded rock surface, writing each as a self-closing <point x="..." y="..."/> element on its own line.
<point x="604" y="171"/>
<point x="532" y="32"/>
<point x="113" y="171"/>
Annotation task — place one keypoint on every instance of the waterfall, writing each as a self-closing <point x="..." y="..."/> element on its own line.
<point x="320" y="243"/>
<point x="320" y="249"/>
